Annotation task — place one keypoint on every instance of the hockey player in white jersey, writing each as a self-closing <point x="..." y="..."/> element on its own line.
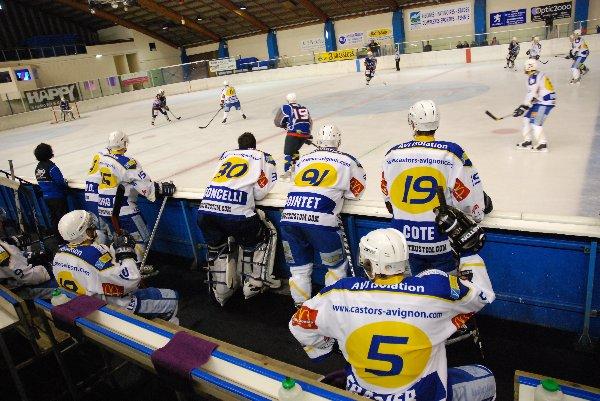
<point x="109" y="273"/>
<point x="579" y="53"/>
<point x="310" y="220"/>
<point x="91" y="196"/>
<point x="117" y="169"/>
<point x="230" y="100"/>
<point x="392" y="327"/>
<point x="242" y="176"/>
<point x="536" y="49"/>
<point x="158" y="106"/>
<point x="22" y="271"/>
<point x="370" y="66"/>
<point x="539" y="102"/>
<point x="411" y="173"/>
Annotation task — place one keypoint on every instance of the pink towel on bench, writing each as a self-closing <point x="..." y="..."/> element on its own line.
<point x="175" y="361"/>
<point x="81" y="306"/>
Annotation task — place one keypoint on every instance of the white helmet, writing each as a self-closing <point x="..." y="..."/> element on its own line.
<point x="577" y="32"/>
<point x="291" y="97"/>
<point x="514" y="39"/>
<point x="369" y="53"/>
<point x="329" y="136"/>
<point x="536" y="38"/>
<point x="531" y="65"/>
<point x="225" y="83"/>
<point x="161" y="92"/>
<point x="4" y="255"/>
<point x="424" y="116"/>
<point x="117" y="140"/>
<point x="73" y="226"/>
<point x="384" y="252"/>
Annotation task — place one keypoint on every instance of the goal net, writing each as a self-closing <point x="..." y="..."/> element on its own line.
<point x="59" y="116"/>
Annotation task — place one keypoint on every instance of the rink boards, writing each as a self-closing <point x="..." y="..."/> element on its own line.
<point x="525" y="384"/>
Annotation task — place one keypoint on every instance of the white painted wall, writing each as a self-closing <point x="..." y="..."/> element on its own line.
<point x="440" y="32"/>
<point x="363" y="24"/>
<point x="163" y="56"/>
<point x="252" y="46"/>
<point x="288" y="40"/>
<point x="116" y="32"/>
<point x="594" y="13"/>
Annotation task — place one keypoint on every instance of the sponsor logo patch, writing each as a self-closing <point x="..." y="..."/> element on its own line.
<point x="460" y="190"/>
<point x="306" y="318"/>
<point x="262" y="180"/>
<point x="113" y="290"/>
<point x="461" y="319"/>
<point x="356" y="186"/>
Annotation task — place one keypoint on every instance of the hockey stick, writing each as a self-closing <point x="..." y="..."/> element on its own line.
<point x="346" y="245"/>
<point x="211" y="120"/>
<point x="154" y="229"/>
<point x="544" y="62"/>
<point x="489" y="114"/>
<point x="17" y="202"/>
<point x="117" y="204"/>
<point x="173" y="114"/>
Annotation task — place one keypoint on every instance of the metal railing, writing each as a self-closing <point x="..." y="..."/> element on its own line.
<point x="99" y="87"/>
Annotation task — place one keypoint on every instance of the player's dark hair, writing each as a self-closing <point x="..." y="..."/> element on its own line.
<point x="247" y="141"/>
<point x="43" y="152"/>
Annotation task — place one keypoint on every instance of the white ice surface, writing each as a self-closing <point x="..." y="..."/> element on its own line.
<point x="373" y="119"/>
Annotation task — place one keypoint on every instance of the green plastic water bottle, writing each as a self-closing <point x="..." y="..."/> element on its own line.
<point x="290" y="390"/>
<point x="548" y="390"/>
<point x="58" y="298"/>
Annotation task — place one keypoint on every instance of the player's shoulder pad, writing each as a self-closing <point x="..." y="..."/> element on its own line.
<point x="457" y="151"/>
<point x="442" y="285"/>
<point x="128" y="162"/>
<point x="345" y="283"/>
<point x="269" y="159"/>
<point x="354" y="159"/>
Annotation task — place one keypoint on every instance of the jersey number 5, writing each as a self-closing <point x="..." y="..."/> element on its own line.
<point x="395" y="360"/>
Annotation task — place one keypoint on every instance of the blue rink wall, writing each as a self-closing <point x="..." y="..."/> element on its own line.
<point x="541" y="279"/>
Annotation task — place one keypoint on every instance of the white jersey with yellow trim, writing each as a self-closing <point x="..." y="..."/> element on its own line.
<point x="412" y="171"/>
<point x="392" y="331"/>
<point x="535" y="50"/>
<point x="539" y="90"/>
<point x="15" y="269"/>
<point x="242" y="177"/>
<point x="322" y="180"/>
<point x="115" y="169"/>
<point x="93" y="270"/>
<point x="93" y="179"/>
<point x="229" y="95"/>
<point x="579" y="47"/>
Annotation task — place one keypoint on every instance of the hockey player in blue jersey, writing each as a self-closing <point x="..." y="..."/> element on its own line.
<point x="117" y="169"/>
<point x="159" y="107"/>
<point x="52" y="183"/>
<point x="370" y="66"/>
<point x="296" y="119"/>
<point x="110" y="273"/>
<point x="411" y="173"/>
<point x="310" y="221"/>
<point x="230" y="100"/>
<point x="392" y="327"/>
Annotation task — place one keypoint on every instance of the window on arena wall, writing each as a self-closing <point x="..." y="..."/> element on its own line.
<point x="5" y="77"/>
<point x="152" y="46"/>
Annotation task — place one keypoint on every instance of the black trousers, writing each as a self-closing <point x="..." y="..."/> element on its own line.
<point x="58" y="208"/>
<point x="248" y="232"/>
<point x="398" y="65"/>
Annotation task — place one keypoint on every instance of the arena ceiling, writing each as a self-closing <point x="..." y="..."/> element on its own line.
<point x="197" y="22"/>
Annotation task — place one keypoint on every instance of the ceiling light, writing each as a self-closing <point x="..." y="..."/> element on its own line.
<point x="242" y="7"/>
<point x="92" y="11"/>
<point x="125" y="8"/>
<point x="114" y="4"/>
<point x="165" y="28"/>
<point x="199" y="18"/>
<point x="98" y="55"/>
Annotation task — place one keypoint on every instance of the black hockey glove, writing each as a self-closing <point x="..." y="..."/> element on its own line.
<point x="21" y="241"/>
<point x="537" y="57"/>
<point x="39" y="258"/>
<point x="124" y="246"/>
<point x="462" y="231"/>
<point x="165" y="188"/>
<point x="527" y="52"/>
<point x="519" y="111"/>
<point x="488" y="206"/>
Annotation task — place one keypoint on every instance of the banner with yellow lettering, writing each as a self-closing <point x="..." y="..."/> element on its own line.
<point x="326" y="57"/>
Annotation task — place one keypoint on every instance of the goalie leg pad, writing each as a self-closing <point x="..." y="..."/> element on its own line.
<point x="222" y="271"/>
<point x="257" y="262"/>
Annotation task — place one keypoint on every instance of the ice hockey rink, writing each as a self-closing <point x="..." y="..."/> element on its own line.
<point x="563" y="181"/>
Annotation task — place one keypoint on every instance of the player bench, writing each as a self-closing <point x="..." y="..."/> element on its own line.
<point x="228" y="373"/>
<point x="525" y="384"/>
